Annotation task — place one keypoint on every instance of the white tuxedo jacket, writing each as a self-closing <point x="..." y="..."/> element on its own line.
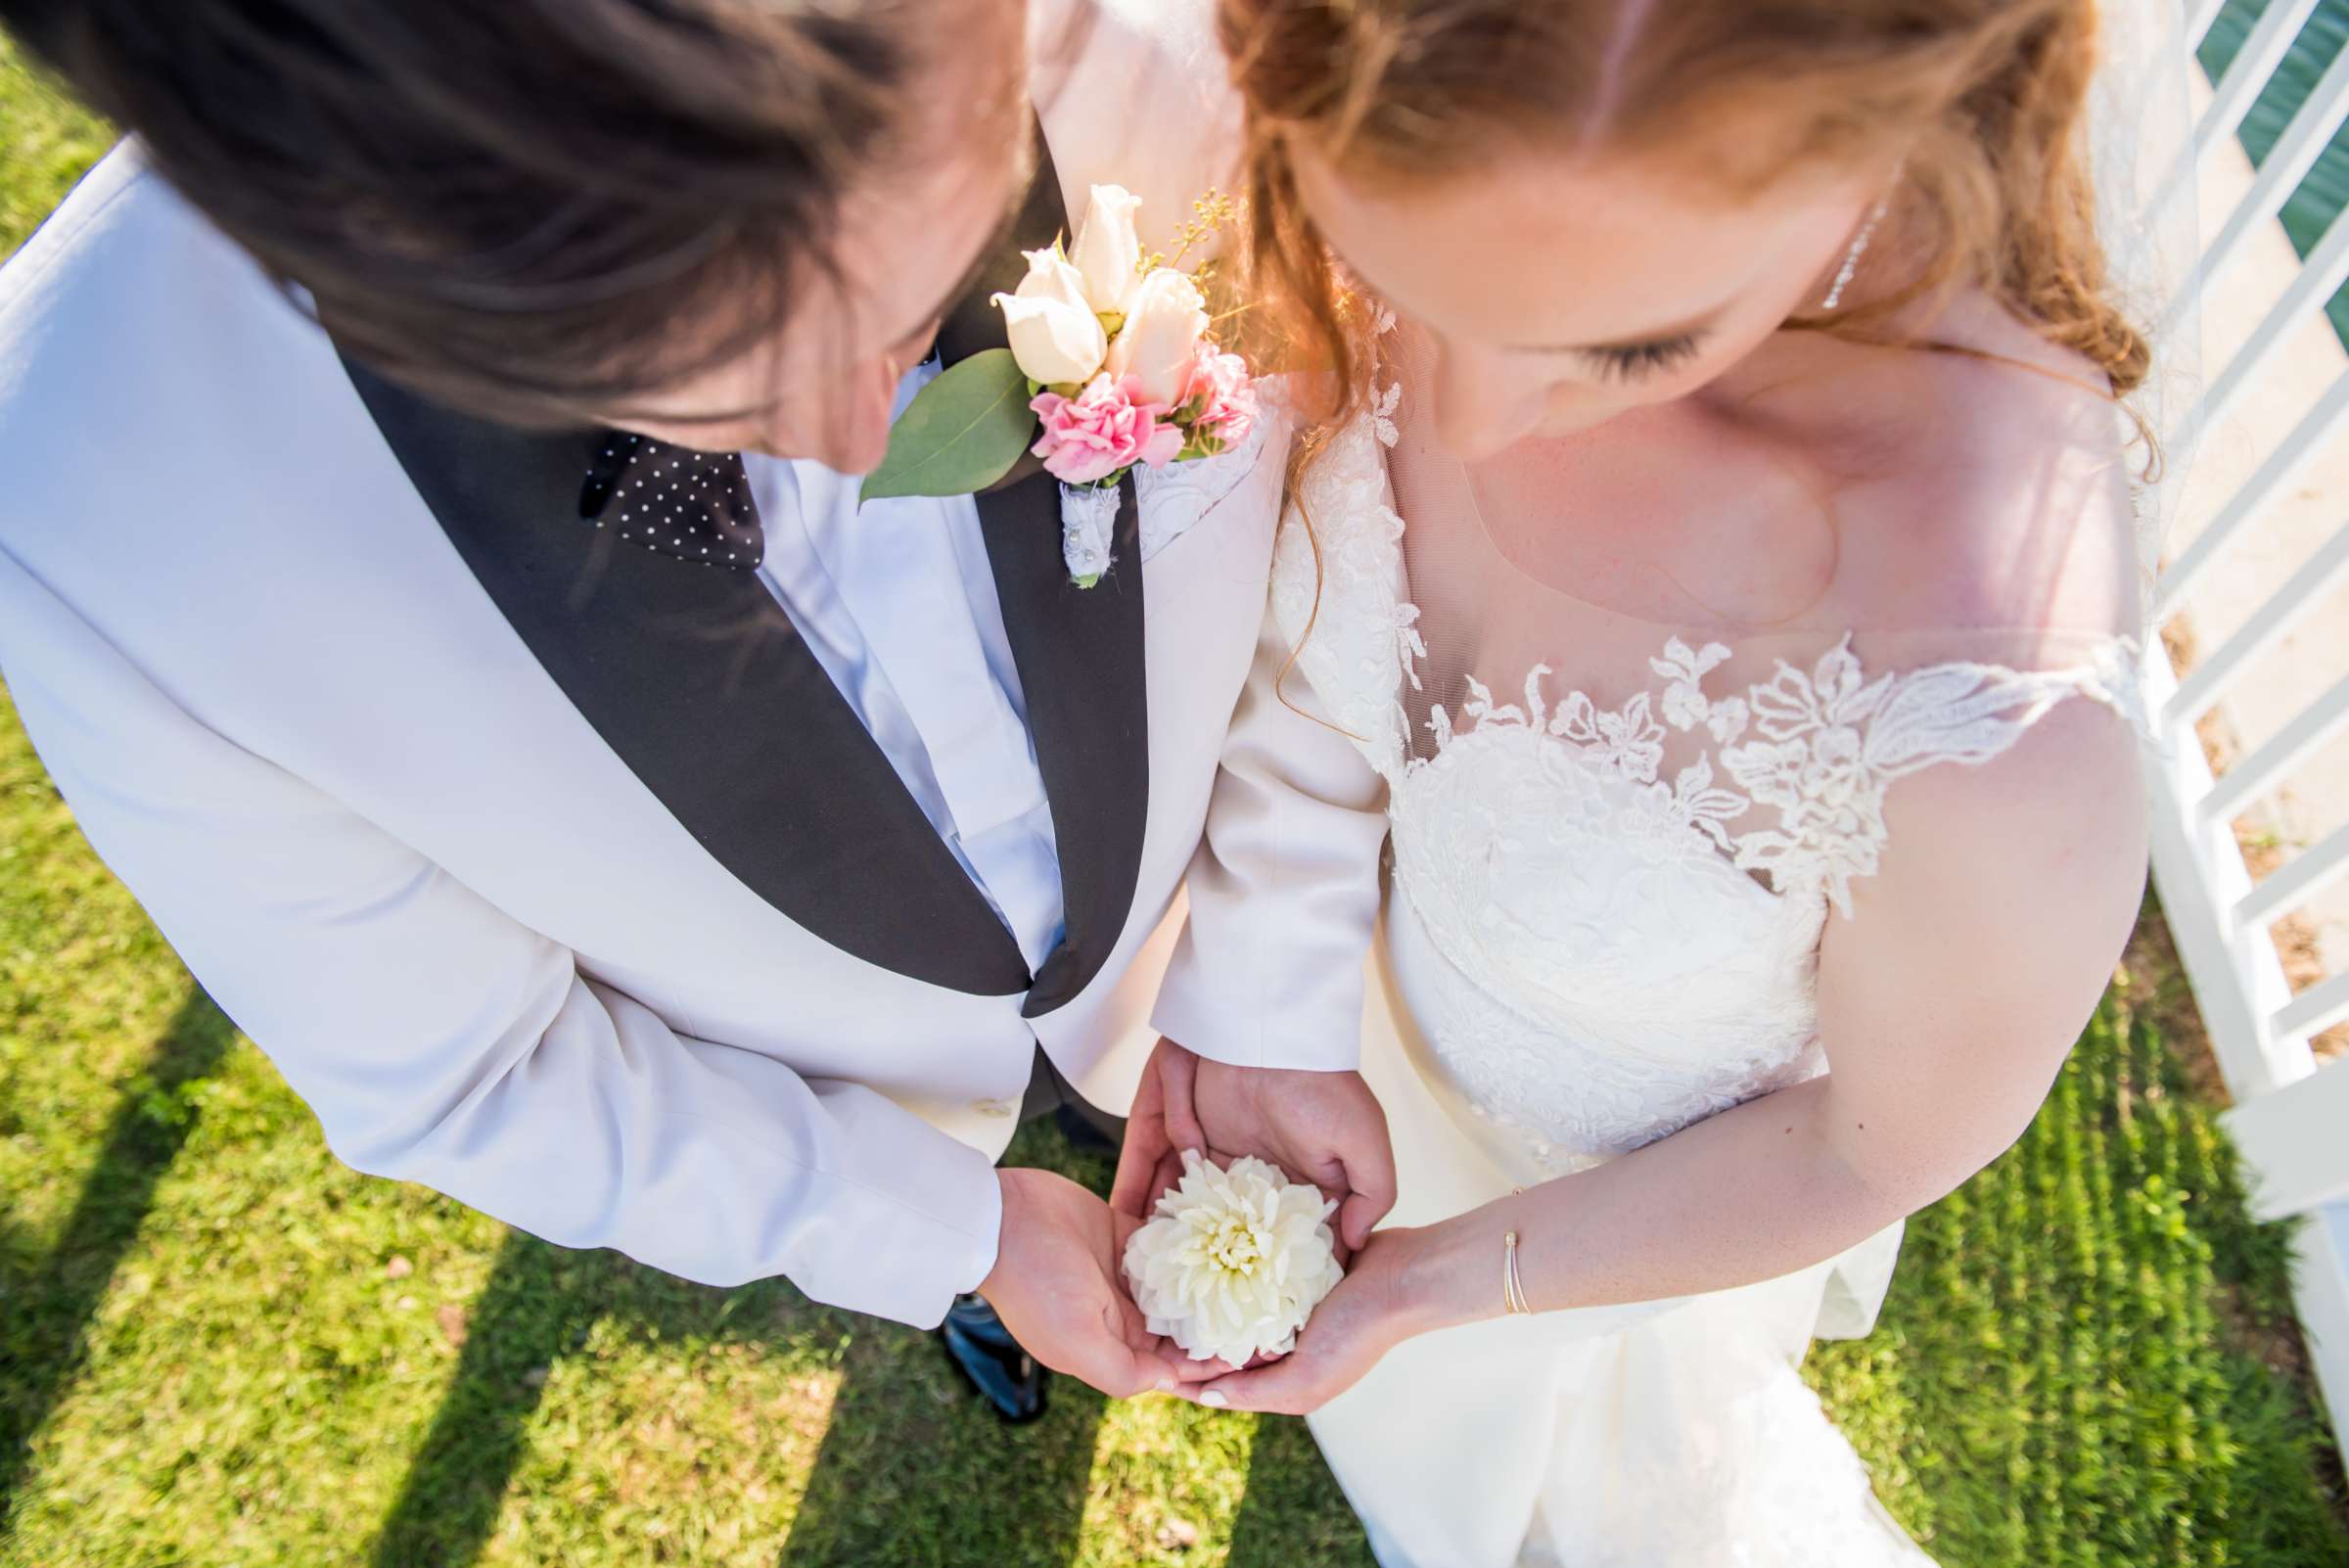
<point x="541" y="883"/>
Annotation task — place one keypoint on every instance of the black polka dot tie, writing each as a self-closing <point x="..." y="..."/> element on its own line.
<point x="696" y="506"/>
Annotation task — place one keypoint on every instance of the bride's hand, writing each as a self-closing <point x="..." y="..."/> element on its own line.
<point x="1322" y="1127"/>
<point x="1368" y="1314"/>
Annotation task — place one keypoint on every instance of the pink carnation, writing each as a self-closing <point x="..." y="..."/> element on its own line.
<point x="1224" y="396"/>
<point x="1101" y="430"/>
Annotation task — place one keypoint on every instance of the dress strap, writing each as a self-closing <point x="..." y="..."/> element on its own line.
<point x="1828" y="742"/>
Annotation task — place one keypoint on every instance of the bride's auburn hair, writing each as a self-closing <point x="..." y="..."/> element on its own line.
<point x="1987" y="96"/>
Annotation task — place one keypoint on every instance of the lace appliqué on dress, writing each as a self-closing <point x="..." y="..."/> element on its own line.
<point x="1826" y="745"/>
<point x="1601" y="949"/>
<point x="1338" y="570"/>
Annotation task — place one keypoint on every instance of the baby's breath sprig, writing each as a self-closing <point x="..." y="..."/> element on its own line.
<point x="1211" y="215"/>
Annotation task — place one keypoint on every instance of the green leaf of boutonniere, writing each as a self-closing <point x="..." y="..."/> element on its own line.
<point x="961" y="434"/>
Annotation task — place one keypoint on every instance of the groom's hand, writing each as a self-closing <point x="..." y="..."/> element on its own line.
<point x="1322" y="1127"/>
<point x="1059" y="1287"/>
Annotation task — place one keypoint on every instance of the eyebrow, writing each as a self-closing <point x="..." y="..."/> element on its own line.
<point x="1696" y="327"/>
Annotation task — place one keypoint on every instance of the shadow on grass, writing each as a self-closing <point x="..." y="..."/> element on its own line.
<point x="540" y="1300"/>
<point x="914" y="1473"/>
<point x="44" y="1323"/>
<point x="1292" y="1511"/>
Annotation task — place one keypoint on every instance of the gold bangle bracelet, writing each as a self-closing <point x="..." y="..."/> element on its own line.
<point x="1513" y="1287"/>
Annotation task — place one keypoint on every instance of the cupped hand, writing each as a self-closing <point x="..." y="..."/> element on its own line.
<point x="1367" y="1316"/>
<point x="1059" y="1286"/>
<point x="1321" y="1128"/>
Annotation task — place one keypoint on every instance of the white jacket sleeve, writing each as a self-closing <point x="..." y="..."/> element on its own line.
<point x="441" y="1042"/>
<point x="1284" y="890"/>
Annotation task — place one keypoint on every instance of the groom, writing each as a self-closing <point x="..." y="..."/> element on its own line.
<point x="428" y="567"/>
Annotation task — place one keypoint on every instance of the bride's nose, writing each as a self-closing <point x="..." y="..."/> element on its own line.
<point x="1483" y="404"/>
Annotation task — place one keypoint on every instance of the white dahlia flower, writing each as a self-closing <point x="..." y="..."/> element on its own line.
<point x="1233" y="1261"/>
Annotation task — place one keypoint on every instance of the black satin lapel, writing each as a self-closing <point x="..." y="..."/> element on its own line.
<point x="1080" y="656"/>
<point x="698" y="681"/>
<point x="1078" y="652"/>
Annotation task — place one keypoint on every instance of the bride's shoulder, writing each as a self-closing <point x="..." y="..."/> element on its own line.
<point x="1993" y="565"/>
<point x="2002" y="499"/>
<point x="1136" y="93"/>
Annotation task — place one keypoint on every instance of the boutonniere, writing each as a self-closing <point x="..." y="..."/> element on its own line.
<point x="1111" y="365"/>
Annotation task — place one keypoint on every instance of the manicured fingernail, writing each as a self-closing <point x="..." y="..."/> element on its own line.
<point x="1215" y="1399"/>
<point x="1166" y="1385"/>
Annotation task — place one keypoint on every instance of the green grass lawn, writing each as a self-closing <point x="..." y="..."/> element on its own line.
<point x="218" y="1347"/>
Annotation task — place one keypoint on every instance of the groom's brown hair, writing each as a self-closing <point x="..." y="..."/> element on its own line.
<point x="523" y="207"/>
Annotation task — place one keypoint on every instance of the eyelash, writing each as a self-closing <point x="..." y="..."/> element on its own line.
<point x="1645" y="359"/>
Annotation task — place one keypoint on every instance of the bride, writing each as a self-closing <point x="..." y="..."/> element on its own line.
<point x="1723" y="604"/>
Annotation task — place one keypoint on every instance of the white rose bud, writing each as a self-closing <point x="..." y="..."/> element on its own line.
<point x="1054" y="334"/>
<point x="1109" y="253"/>
<point x="1159" y="342"/>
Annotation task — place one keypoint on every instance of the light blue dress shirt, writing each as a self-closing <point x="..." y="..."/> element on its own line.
<point x="897" y="603"/>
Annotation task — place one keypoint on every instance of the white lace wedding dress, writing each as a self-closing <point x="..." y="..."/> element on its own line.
<point x="1612" y="862"/>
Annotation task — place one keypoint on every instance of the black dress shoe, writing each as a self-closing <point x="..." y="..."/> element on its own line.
<point x="984" y="1352"/>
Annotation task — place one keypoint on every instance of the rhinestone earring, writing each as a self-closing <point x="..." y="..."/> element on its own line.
<point x="1851" y="258"/>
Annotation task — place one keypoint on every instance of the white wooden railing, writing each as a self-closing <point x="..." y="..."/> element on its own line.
<point x="2256" y="585"/>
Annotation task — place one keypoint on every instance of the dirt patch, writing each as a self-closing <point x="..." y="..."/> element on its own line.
<point x="2152" y="982"/>
<point x="2263" y="849"/>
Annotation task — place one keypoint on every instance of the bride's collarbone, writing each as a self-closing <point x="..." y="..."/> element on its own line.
<point x="1682" y="518"/>
<point x="1913" y="496"/>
